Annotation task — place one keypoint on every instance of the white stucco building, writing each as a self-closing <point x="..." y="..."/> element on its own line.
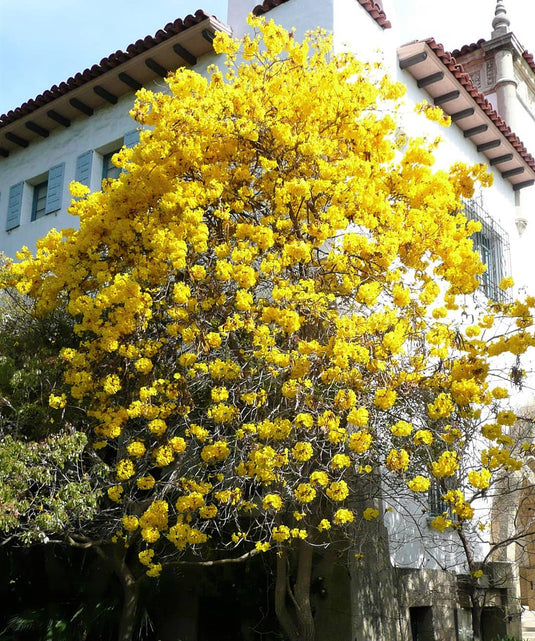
<point x="70" y="132"/>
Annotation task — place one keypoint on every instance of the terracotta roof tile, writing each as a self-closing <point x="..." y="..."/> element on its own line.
<point x="111" y="61"/>
<point x="266" y="6"/>
<point x="465" y="80"/>
<point x="468" y="48"/>
<point x="530" y="59"/>
<point x="376" y="12"/>
<point x="372" y="7"/>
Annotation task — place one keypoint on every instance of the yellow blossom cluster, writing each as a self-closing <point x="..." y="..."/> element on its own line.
<point x="459" y="505"/>
<point x="260" y="305"/>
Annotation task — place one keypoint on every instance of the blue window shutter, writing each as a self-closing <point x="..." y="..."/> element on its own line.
<point x="83" y="168"/>
<point x="54" y="194"/>
<point x="14" y="206"/>
<point x="131" y="138"/>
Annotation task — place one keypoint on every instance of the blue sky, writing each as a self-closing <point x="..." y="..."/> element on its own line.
<point x="44" y="43"/>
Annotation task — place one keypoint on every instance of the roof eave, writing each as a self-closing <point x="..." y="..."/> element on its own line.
<point x="450" y="87"/>
<point x="374" y="9"/>
<point x="115" y="76"/>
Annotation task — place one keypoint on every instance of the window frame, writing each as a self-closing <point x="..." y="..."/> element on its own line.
<point x="109" y="171"/>
<point x="437" y="505"/>
<point x="492" y="245"/>
<point x="108" y="166"/>
<point x="40" y="191"/>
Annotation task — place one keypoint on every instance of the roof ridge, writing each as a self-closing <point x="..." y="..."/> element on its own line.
<point x="468" y="48"/>
<point x="372" y="7"/>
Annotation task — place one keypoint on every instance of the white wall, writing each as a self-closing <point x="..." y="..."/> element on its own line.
<point x="304" y="15"/>
<point x="102" y="132"/>
<point x="63" y="145"/>
<point x="354" y="27"/>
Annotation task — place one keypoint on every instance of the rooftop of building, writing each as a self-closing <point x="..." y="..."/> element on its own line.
<point x="181" y="42"/>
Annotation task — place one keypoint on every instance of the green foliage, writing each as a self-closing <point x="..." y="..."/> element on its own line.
<point x="67" y="592"/>
<point x="48" y="479"/>
<point x="50" y="624"/>
<point x="30" y="368"/>
<point x="44" y="486"/>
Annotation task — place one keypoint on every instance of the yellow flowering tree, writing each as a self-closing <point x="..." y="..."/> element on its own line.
<point x="258" y="299"/>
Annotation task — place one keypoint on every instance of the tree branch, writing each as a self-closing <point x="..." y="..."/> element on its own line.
<point x="239" y="559"/>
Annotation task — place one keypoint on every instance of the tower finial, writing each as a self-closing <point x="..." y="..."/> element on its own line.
<point x="501" y="22"/>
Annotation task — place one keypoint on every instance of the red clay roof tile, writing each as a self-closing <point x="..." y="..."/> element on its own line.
<point x="465" y="80"/>
<point x="372" y="7"/>
<point x="528" y="57"/>
<point x="111" y="61"/>
<point x="376" y="12"/>
<point x="170" y="29"/>
<point x="468" y="48"/>
<point x="266" y="6"/>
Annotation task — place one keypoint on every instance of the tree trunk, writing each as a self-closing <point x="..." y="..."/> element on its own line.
<point x="127" y="621"/>
<point x="130" y="599"/>
<point x="297" y="621"/>
<point x="477" y="597"/>
<point x="302" y="592"/>
<point x="282" y="587"/>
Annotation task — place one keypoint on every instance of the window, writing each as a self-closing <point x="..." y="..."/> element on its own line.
<point x="492" y="244"/>
<point x="109" y="170"/>
<point x="39" y="200"/>
<point x="437" y="506"/>
<point x="47" y="196"/>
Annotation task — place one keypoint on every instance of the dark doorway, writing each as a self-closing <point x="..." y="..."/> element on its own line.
<point x="493" y="624"/>
<point x="422" y="624"/>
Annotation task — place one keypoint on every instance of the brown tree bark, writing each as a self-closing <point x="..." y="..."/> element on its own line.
<point x="477" y="611"/>
<point x="127" y="621"/>
<point x="292" y="603"/>
<point x="282" y="586"/>
<point x="130" y="600"/>
<point x="302" y="592"/>
<point x="477" y="597"/>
